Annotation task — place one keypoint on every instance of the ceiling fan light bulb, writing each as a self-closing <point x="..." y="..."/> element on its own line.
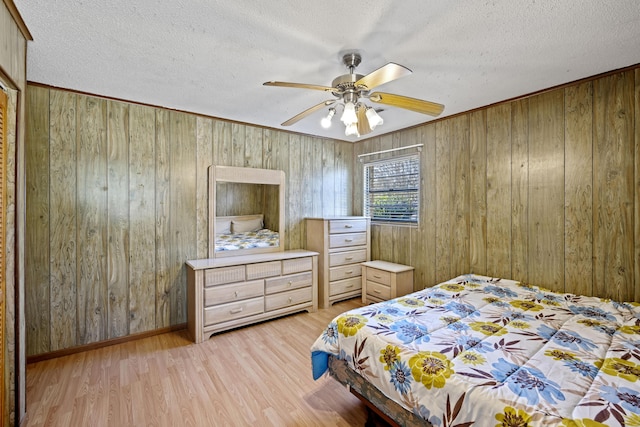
<point x="351" y="130"/>
<point x="374" y="118"/>
<point x="326" y="121"/>
<point x="349" y="115"/>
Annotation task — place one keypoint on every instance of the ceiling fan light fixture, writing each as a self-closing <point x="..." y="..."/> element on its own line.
<point x="373" y="117"/>
<point x="352" y="130"/>
<point x="349" y="115"/>
<point x="326" y="121"/>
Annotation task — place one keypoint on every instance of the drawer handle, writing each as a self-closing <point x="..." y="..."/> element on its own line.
<point x="236" y="310"/>
<point x="350" y="285"/>
<point x="376" y="291"/>
<point x="348" y="272"/>
<point x="348" y="240"/>
<point x="237" y="295"/>
<point x="348" y="226"/>
<point x="349" y="258"/>
<point x="377" y="277"/>
<point x="290" y="299"/>
<point x="289" y="283"/>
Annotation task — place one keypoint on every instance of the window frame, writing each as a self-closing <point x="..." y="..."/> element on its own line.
<point x="366" y="208"/>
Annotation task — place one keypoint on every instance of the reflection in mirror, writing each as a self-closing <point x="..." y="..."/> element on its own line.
<point x="246" y="212"/>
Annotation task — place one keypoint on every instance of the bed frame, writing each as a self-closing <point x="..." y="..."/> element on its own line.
<point x="238" y="175"/>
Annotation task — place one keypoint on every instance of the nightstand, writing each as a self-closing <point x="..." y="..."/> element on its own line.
<point x="382" y="280"/>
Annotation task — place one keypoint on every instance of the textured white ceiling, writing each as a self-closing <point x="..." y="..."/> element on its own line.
<point x="211" y="57"/>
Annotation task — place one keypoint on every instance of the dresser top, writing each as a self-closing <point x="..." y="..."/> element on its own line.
<point x="338" y="217"/>
<point x="202" y="264"/>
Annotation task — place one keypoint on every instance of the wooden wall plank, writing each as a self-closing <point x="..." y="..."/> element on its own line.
<point x="204" y="158"/>
<point x="295" y="190"/>
<point x="62" y="214"/>
<point x="162" y="217"/>
<point x="423" y="239"/>
<point x="613" y="181"/>
<point x="578" y="248"/>
<point x="444" y="205"/>
<point x="519" y="189"/>
<point x="546" y="189"/>
<point x="118" y="218"/>
<point x="37" y="273"/>
<point x="460" y="164"/>
<point x="499" y="190"/>
<point x="637" y="188"/>
<point x="182" y="212"/>
<point x="142" y="205"/>
<point x="92" y="220"/>
<point x="329" y="186"/>
<point x="478" y="192"/>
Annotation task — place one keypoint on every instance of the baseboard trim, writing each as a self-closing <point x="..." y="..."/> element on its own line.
<point x="81" y="348"/>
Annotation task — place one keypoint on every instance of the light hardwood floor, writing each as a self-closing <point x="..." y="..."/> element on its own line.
<point x="258" y="375"/>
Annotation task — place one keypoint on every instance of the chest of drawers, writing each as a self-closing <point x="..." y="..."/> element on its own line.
<point x="225" y="293"/>
<point x="342" y="243"/>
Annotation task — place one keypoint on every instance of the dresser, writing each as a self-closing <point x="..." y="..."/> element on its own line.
<point x="343" y="243"/>
<point x="225" y="293"/>
<point x="382" y="280"/>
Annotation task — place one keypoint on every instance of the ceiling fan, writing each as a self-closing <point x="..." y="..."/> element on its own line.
<point x="352" y="88"/>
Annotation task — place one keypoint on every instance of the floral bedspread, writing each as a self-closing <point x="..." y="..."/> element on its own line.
<point x="494" y="352"/>
<point x="251" y="239"/>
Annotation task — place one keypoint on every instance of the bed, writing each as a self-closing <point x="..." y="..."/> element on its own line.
<point x="246" y="211"/>
<point x="484" y="351"/>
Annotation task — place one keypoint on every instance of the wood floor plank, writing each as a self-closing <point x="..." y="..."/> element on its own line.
<point x="257" y="375"/>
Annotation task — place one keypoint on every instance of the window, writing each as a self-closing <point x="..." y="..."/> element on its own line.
<point x="392" y="190"/>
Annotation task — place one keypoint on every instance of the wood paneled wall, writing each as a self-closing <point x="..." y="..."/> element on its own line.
<point x="117" y="202"/>
<point x="543" y="189"/>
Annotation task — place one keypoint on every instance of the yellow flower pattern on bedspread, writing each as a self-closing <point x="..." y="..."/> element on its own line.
<point x="492" y="352"/>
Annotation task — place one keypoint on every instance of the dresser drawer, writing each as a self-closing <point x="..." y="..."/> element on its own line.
<point x="264" y="269"/>
<point x="379" y="276"/>
<point x="297" y="265"/>
<point x="342" y="286"/>
<point x="345" y="272"/>
<point x="378" y="290"/>
<point x="347" y="225"/>
<point x="218" y="276"/>
<point x="234" y="292"/>
<point x="233" y="310"/>
<point x="350" y="257"/>
<point x="346" y="240"/>
<point x="285" y="299"/>
<point x="294" y="281"/>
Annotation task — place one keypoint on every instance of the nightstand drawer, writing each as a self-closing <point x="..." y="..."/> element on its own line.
<point x="379" y="276"/>
<point x="378" y="290"/>
<point x="347" y="225"/>
<point x="346" y="240"/>
<point x="345" y="272"/>
<point x="349" y="257"/>
<point x="234" y="310"/>
<point x="234" y="292"/>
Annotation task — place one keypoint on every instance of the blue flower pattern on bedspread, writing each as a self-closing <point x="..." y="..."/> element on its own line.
<point x="492" y="352"/>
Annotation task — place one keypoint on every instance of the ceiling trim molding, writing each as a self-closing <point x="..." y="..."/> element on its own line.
<point x="15" y="14"/>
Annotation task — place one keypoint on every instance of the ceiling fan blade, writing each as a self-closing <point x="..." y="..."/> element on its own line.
<point x="307" y="112"/>
<point x="301" y="86"/>
<point x="384" y="74"/>
<point x="413" y="104"/>
<point x="363" y="122"/>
